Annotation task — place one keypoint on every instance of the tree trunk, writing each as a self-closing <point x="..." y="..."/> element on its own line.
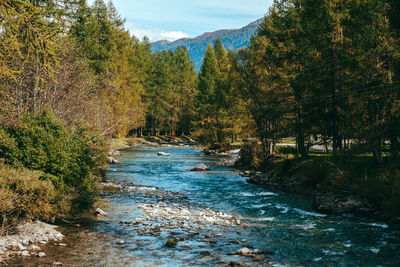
<point x="377" y="150"/>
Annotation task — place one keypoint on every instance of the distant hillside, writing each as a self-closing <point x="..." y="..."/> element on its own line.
<point x="232" y="39"/>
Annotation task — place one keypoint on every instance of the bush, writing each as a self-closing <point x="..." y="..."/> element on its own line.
<point x="69" y="160"/>
<point x="251" y="153"/>
<point x="382" y="187"/>
<point x="24" y="194"/>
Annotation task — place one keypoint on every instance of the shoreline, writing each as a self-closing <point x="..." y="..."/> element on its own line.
<point x="27" y="239"/>
<point x="329" y="202"/>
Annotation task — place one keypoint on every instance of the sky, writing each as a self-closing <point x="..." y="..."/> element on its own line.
<point x="175" y="19"/>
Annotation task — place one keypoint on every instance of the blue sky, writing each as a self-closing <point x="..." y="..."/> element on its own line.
<point x="175" y="19"/>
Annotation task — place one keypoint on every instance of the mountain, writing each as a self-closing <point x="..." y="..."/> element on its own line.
<point x="231" y="39"/>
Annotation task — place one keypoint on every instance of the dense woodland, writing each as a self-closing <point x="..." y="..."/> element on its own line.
<point x="72" y="77"/>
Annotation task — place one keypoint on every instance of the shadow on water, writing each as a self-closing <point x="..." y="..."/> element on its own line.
<point x="271" y="220"/>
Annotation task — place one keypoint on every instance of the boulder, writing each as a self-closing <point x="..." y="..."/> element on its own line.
<point x="209" y="152"/>
<point x="332" y="203"/>
<point x="246" y="173"/>
<point x="99" y="212"/>
<point x="163" y="154"/>
<point x="200" y="168"/>
<point x="111" y="160"/>
<point x="244" y="251"/>
<point x="171" y="243"/>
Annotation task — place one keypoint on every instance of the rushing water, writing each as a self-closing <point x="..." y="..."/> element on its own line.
<point x="272" y="221"/>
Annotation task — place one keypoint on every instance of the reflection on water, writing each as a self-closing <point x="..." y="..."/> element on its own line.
<point x="271" y="221"/>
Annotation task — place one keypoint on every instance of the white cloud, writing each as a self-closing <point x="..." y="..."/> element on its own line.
<point x="154" y="34"/>
<point x="174" y="35"/>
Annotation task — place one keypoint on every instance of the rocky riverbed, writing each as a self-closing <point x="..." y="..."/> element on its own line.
<point x="183" y="225"/>
<point x="328" y="202"/>
<point x="157" y="213"/>
<point x="28" y="239"/>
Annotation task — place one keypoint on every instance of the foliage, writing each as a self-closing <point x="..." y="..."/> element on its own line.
<point x="25" y="195"/>
<point x="170" y="93"/>
<point x="222" y="115"/>
<point x="326" y="73"/>
<point x="41" y="142"/>
<point x="250" y="153"/>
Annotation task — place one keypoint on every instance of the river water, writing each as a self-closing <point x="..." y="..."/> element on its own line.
<point x="281" y="225"/>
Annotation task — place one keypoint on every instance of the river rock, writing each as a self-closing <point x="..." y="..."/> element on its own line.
<point x="332" y="203"/>
<point x="200" y="168"/>
<point x="41" y="254"/>
<point x="24" y="253"/>
<point x="163" y="154"/>
<point x="34" y="248"/>
<point x="171" y="243"/>
<point x="244" y="251"/>
<point x="111" y="160"/>
<point x="99" y="212"/>
<point x="246" y="173"/>
<point x="25" y="234"/>
<point x="210" y="152"/>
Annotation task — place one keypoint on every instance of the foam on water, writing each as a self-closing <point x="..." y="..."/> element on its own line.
<point x="380" y="225"/>
<point x="283" y="208"/>
<point x="307" y="226"/>
<point x="247" y="194"/>
<point x="347" y="244"/>
<point x="374" y="250"/>
<point x="268" y="194"/>
<point x="267" y="219"/>
<point x="309" y="213"/>
<point x="259" y="206"/>
<point x="328" y="252"/>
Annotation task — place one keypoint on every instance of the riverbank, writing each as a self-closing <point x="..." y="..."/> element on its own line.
<point x="336" y="185"/>
<point x="28" y="239"/>
<point x="161" y="214"/>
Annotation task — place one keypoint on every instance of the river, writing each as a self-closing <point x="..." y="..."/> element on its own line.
<point x="156" y="191"/>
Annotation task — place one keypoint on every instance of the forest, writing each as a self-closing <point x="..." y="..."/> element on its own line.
<point x="317" y="72"/>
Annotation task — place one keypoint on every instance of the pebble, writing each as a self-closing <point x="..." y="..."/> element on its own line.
<point x="25" y="253"/>
<point x="205" y="252"/>
<point x="121" y="242"/>
<point x="35" y="248"/>
<point x="62" y="245"/>
<point x="41" y="254"/>
<point x="29" y="233"/>
<point x="56" y="263"/>
<point x="21" y="247"/>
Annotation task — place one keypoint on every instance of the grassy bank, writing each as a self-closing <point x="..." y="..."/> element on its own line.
<point x="47" y="169"/>
<point x="348" y="174"/>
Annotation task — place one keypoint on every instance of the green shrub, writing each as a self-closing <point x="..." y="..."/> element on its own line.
<point x="251" y="153"/>
<point x="69" y="159"/>
<point x="24" y="195"/>
<point x="382" y="187"/>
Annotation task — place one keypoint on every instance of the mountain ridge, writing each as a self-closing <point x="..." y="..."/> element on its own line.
<point x="231" y="39"/>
